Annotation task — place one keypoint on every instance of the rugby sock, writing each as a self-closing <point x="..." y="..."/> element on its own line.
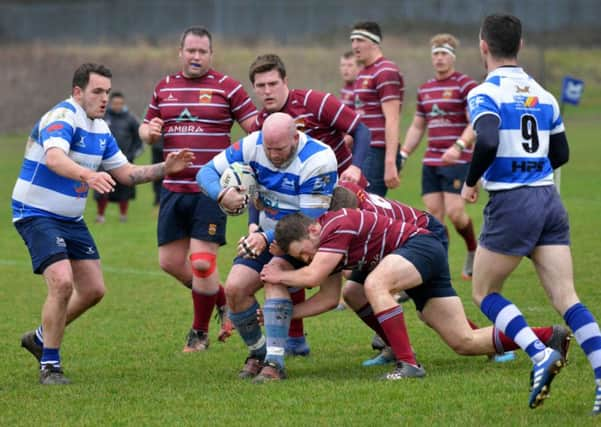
<point x="277" y="313"/>
<point x="509" y="320"/>
<point x="503" y="343"/>
<point x="248" y="327"/>
<point x="468" y="235"/>
<point x="203" y="309"/>
<point x="123" y="205"/>
<point x="367" y="316"/>
<point x="588" y="336"/>
<point x="221" y="301"/>
<point x="39" y="335"/>
<point x="101" y="205"/>
<point x="393" y="323"/>
<point x="50" y="356"/>
<point x="296" y="326"/>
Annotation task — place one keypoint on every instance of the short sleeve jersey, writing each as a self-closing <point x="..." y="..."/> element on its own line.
<point x="39" y="190"/>
<point x="347" y="96"/>
<point x="387" y="207"/>
<point x="198" y="114"/>
<point x="321" y="116"/>
<point x="528" y="115"/>
<point x="375" y="84"/>
<point x="443" y="103"/>
<point x="306" y="183"/>
<point x="362" y="237"/>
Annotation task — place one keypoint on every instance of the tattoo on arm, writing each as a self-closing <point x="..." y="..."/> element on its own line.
<point x="140" y="174"/>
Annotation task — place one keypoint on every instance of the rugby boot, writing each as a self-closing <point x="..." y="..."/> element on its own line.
<point x="271" y="372"/>
<point x="196" y="341"/>
<point x="542" y="375"/>
<point x="405" y="370"/>
<point x="53" y="375"/>
<point x="28" y="343"/>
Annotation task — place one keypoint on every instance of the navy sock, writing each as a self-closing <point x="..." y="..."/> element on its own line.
<point x="248" y="327"/>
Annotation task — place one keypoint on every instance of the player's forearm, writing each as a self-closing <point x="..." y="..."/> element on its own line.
<point x="60" y="163"/>
<point x="141" y="174"/>
<point x="208" y="179"/>
<point x="322" y="301"/>
<point x="468" y="136"/>
<point x="392" y="141"/>
<point x="305" y="277"/>
<point x="412" y="139"/>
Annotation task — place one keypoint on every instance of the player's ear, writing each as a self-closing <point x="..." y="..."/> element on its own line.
<point x="483" y="47"/>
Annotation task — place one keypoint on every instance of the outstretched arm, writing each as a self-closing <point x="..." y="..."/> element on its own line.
<point x="129" y="174"/>
<point x="323" y="264"/>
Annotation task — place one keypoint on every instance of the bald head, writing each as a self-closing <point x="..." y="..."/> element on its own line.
<point x="280" y="139"/>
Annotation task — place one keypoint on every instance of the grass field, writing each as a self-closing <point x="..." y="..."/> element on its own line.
<point x="125" y="359"/>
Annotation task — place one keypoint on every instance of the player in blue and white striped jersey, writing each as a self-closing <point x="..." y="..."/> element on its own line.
<point x="520" y="141"/>
<point x="64" y="152"/>
<point x="294" y="173"/>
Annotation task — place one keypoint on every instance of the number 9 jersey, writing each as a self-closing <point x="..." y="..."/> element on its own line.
<point x="528" y="115"/>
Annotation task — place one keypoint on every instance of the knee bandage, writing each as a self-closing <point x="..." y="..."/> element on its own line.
<point x="208" y="257"/>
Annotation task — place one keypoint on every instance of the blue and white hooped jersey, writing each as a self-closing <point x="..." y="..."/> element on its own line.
<point x="528" y="115"/>
<point x="306" y="183"/>
<point x="39" y="191"/>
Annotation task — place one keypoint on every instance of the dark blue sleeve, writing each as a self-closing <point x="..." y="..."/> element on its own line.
<point x="485" y="151"/>
<point x="253" y="214"/>
<point x="559" y="151"/>
<point x="362" y="138"/>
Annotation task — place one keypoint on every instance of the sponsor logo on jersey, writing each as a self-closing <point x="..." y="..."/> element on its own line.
<point x="531" y="101"/>
<point x="436" y="111"/>
<point x="205" y="96"/>
<point x="81" y="189"/>
<point x="55" y="127"/>
<point x="186" y="116"/>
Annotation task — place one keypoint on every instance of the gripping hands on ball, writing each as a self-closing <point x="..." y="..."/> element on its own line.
<point x="233" y="200"/>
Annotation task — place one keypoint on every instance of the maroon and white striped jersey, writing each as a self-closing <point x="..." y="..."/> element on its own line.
<point x="375" y="84"/>
<point x="198" y="114"/>
<point x="347" y="95"/>
<point x="443" y="104"/>
<point x="362" y="237"/>
<point x="321" y="116"/>
<point x="387" y="207"/>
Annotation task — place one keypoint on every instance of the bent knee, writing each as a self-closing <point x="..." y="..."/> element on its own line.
<point x="462" y="346"/>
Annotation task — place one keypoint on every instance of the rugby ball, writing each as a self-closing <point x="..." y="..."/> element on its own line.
<point x="239" y="174"/>
<point x="236" y="175"/>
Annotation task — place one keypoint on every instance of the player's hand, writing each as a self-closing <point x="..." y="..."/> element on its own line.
<point x="275" y="250"/>
<point x="100" y="181"/>
<point x="233" y="199"/>
<point x="469" y="194"/>
<point x="352" y="174"/>
<point x="391" y="176"/>
<point x="177" y="161"/>
<point x="271" y="274"/>
<point x="155" y="129"/>
<point x="451" y="155"/>
<point x="253" y="245"/>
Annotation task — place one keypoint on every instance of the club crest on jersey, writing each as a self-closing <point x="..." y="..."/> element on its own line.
<point x="447" y="93"/>
<point x="212" y="229"/>
<point x="300" y="124"/>
<point x="365" y="82"/>
<point x="525" y="89"/>
<point x="205" y="95"/>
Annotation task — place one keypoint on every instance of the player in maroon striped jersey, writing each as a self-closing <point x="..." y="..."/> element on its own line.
<point x="442" y="111"/>
<point x="194" y="108"/>
<point x="378" y="92"/>
<point x="349" y="68"/>
<point x="320" y="115"/>
<point x="396" y="256"/>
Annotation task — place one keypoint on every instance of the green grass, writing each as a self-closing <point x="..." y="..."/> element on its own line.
<point x="125" y="359"/>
